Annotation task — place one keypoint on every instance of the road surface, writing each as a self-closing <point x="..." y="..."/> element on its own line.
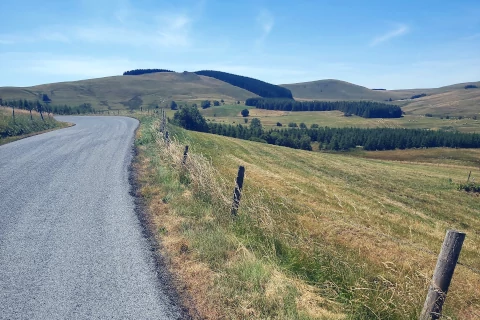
<point x="71" y="245"/>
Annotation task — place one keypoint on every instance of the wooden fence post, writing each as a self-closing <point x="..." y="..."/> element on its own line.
<point x="237" y="192"/>
<point x="468" y="179"/>
<point x="185" y="155"/>
<point x="167" y="140"/>
<point x="447" y="260"/>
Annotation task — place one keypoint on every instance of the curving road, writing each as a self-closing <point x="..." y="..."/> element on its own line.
<point x="71" y="245"/>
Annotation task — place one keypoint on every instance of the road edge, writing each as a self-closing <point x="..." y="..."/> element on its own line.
<point x="166" y="280"/>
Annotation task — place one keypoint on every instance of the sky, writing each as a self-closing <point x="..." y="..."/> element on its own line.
<point x="376" y="44"/>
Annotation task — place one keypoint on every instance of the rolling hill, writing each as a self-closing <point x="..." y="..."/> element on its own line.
<point x="331" y="89"/>
<point x="452" y="100"/>
<point x="131" y="91"/>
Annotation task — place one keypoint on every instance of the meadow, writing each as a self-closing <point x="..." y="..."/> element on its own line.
<point x="230" y="114"/>
<point x="318" y="235"/>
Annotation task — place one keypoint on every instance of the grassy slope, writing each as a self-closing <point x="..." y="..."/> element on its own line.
<point x="23" y="126"/>
<point x="319" y="235"/>
<point x="113" y="91"/>
<point x="456" y="102"/>
<point x="331" y="89"/>
<point x="452" y="100"/>
<point x="231" y="114"/>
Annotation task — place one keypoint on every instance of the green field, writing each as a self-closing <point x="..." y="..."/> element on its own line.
<point x="318" y="236"/>
<point x="230" y="114"/>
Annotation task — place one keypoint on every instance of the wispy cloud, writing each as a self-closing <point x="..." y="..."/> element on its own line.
<point x="265" y="21"/>
<point x="472" y="37"/>
<point x="169" y="31"/>
<point x="39" y="36"/>
<point x="128" y="27"/>
<point x="397" y="32"/>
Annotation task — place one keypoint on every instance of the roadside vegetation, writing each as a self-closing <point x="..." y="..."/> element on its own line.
<point x="24" y="124"/>
<point x="318" y="235"/>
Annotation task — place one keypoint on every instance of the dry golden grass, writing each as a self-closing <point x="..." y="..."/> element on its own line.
<point x="373" y="226"/>
<point x="456" y="102"/>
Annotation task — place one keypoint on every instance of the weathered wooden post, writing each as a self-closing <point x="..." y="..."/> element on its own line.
<point x="447" y="260"/>
<point x="237" y="192"/>
<point x="167" y="139"/>
<point x="468" y="179"/>
<point x="185" y="155"/>
<point x="13" y="113"/>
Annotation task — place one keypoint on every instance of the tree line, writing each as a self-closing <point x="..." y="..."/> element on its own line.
<point x="261" y="88"/>
<point x="138" y="72"/>
<point x="365" y="109"/>
<point x="45" y="106"/>
<point x="329" y="138"/>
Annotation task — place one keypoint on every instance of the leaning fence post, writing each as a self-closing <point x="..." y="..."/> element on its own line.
<point x="237" y="193"/>
<point x="447" y="260"/>
<point x="468" y="179"/>
<point x="185" y="155"/>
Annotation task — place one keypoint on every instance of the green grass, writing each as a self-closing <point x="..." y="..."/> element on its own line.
<point x="121" y="91"/>
<point x="23" y="126"/>
<point x="318" y="236"/>
<point x="231" y="114"/>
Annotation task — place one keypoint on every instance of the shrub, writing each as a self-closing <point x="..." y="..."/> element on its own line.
<point x="245" y="112"/>
<point x="292" y="125"/>
<point x="470" y="187"/>
<point x="205" y="104"/>
<point x="279" y="124"/>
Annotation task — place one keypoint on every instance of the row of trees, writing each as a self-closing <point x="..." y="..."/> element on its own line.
<point x="261" y="88"/>
<point x="45" y="106"/>
<point x="138" y="72"/>
<point x="330" y="138"/>
<point x="366" y="109"/>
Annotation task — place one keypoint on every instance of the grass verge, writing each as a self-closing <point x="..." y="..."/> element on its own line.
<point x="318" y="236"/>
<point x="24" y="126"/>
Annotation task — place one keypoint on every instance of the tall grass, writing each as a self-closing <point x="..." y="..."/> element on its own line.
<point x="280" y="258"/>
<point x="22" y="124"/>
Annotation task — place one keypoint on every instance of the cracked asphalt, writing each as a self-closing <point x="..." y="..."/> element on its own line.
<point x="71" y="244"/>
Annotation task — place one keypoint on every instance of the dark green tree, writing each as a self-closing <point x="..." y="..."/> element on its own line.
<point x="205" y="104"/>
<point x="190" y="118"/>
<point x="173" y="105"/>
<point x="245" y="112"/>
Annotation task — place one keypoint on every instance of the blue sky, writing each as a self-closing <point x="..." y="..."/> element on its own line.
<point x="377" y="44"/>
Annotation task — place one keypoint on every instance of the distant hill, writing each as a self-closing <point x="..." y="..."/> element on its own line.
<point x="456" y="99"/>
<point x="131" y="91"/>
<point x="452" y="100"/>
<point x="261" y="88"/>
<point x="331" y="89"/>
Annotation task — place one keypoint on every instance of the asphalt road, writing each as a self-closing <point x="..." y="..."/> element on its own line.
<point x="71" y="245"/>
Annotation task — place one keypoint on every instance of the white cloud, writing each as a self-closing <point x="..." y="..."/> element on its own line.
<point x="397" y="32"/>
<point x="166" y="30"/>
<point x="265" y="21"/>
<point x="39" y="36"/>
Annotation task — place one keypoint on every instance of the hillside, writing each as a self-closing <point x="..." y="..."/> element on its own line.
<point x="315" y="236"/>
<point x="331" y="89"/>
<point x="131" y="91"/>
<point x="261" y="88"/>
<point x="455" y="103"/>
